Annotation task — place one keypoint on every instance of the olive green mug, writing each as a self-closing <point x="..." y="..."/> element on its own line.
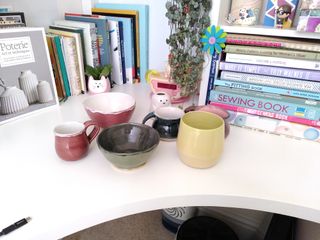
<point x="200" y="139"/>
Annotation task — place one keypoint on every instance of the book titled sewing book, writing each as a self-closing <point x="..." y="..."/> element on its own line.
<point x="289" y="106"/>
<point x="102" y="33"/>
<point x="271" y="71"/>
<point x="272" y="81"/>
<point x="273" y="61"/>
<point x="143" y="20"/>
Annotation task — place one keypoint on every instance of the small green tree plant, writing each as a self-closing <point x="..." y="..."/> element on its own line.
<point x="188" y="20"/>
<point x="98" y="72"/>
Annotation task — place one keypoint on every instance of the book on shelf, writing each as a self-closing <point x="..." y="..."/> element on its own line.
<point x="117" y="76"/>
<point x="76" y="64"/>
<point x="271" y="71"/>
<point x="55" y="66"/>
<point x="272" y="52"/>
<point x="274" y="126"/>
<point x="90" y="39"/>
<point x="102" y="33"/>
<point x="272" y="61"/>
<point x="309" y="20"/>
<point x="289" y="106"/>
<point x="143" y="22"/>
<point x="12" y="19"/>
<point x="122" y="51"/>
<point x="262" y="113"/>
<point x="128" y="45"/>
<point x="280" y="13"/>
<point x="275" y="42"/>
<point x="133" y="16"/>
<point x="267" y="89"/>
<point x="272" y="81"/>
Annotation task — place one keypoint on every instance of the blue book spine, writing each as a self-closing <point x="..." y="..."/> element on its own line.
<point x="122" y="52"/>
<point x="267" y="89"/>
<point x="212" y="74"/>
<point x="223" y="95"/>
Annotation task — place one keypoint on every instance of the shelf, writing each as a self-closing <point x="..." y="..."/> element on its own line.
<point x="267" y="31"/>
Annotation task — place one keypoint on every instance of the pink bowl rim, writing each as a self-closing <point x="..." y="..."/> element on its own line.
<point x="84" y="103"/>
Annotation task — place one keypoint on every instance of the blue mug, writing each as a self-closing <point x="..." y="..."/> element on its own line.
<point x="166" y="121"/>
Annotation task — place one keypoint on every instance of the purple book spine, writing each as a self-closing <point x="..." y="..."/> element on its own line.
<point x="271" y="71"/>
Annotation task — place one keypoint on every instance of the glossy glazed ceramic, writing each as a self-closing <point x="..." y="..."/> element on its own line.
<point x="128" y="145"/>
<point x="166" y="121"/>
<point x="200" y="139"/>
<point x="110" y="108"/>
<point x="71" y="140"/>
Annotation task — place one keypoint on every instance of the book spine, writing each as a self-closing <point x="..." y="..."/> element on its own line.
<point x="272" y="52"/>
<point x="267" y="89"/>
<point x="272" y="81"/>
<point x="212" y="74"/>
<point x="251" y="111"/>
<point x="95" y="47"/>
<point x="272" y="61"/>
<point x="122" y="51"/>
<point x="62" y="66"/>
<point x="271" y="71"/>
<point x="264" y="104"/>
<point x="257" y="42"/>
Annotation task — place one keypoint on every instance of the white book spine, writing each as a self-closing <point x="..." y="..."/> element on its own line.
<point x="272" y="61"/>
<point x="272" y="81"/>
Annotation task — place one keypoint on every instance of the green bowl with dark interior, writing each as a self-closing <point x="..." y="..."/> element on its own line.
<point x="128" y="145"/>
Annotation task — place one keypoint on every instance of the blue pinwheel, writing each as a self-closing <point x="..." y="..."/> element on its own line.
<point x="213" y="40"/>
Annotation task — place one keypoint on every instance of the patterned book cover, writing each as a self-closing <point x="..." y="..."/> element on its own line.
<point x="271" y="71"/>
<point x="274" y="126"/>
<point x="272" y="81"/>
<point x="280" y="13"/>
<point x="245" y="12"/>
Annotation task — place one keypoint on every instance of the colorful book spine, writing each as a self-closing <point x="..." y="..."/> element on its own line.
<point x="62" y="64"/>
<point x="275" y="42"/>
<point x="272" y="52"/>
<point x="262" y="113"/>
<point x="274" y="126"/>
<point x="122" y="51"/>
<point x="212" y="74"/>
<point x="271" y="71"/>
<point x="280" y="13"/>
<point x="272" y="61"/>
<point x="267" y="89"/>
<point x="272" y="81"/>
<point x="288" y="106"/>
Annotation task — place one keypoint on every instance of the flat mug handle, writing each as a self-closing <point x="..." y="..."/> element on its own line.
<point x="95" y="131"/>
<point x="149" y="116"/>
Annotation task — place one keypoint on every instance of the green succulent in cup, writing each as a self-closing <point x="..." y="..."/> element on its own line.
<point x="98" y="72"/>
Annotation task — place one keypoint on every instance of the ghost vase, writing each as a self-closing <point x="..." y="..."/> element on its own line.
<point x="28" y="82"/>
<point x="98" y="85"/>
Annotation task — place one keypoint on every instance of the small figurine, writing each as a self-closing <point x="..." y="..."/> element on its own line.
<point x="160" y="99"/>
<point x="282" y="16"/>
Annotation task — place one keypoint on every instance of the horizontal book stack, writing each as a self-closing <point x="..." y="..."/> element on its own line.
<point x="270" y="84"/>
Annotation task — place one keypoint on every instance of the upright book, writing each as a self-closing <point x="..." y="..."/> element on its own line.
<point x="143" y="30"/>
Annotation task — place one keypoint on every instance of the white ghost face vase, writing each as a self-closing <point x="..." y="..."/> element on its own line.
<point x="160" y="99"/>
<point x="98" y="86"/>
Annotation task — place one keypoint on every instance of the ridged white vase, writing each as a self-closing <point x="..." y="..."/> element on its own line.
<point x="44" y="92"/>
<point x="13" y="100"/>
<point x="28" y="83"/>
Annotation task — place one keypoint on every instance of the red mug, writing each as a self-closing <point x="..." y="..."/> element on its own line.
<point x="72" y="141"/>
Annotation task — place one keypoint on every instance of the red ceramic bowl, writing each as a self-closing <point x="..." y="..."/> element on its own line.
<point x="110" y="108"/>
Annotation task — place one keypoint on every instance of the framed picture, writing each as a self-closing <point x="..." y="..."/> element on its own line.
<point x="26" y="77"/>
<point x="12" y="19"/>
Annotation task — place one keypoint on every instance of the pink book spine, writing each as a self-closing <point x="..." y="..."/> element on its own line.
<point x="293" y="119"/>
<point x="260" y="43"/>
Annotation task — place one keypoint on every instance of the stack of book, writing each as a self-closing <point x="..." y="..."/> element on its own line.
<point x="114" y="34"/>
<point x="271" y="84"/>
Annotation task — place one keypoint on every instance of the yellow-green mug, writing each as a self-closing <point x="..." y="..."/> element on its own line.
<point x="200" y="139"/>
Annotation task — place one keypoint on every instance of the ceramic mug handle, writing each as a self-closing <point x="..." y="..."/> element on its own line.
<point x="95" y="131"/>
<point x="149" y="116"/>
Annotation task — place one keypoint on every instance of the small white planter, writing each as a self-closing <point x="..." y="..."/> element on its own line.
<point x="98" y="86"/>
<point x="28" y="83"/>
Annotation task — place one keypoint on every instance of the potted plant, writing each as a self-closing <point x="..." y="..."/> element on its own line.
<point x="98" y="81"/>
<point x="188" y="20"/>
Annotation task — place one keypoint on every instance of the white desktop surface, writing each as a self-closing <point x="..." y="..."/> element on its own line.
<point x="256" y="171"/>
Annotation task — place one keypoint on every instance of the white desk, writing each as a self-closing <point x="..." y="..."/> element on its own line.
<point x="257" y="171"/>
